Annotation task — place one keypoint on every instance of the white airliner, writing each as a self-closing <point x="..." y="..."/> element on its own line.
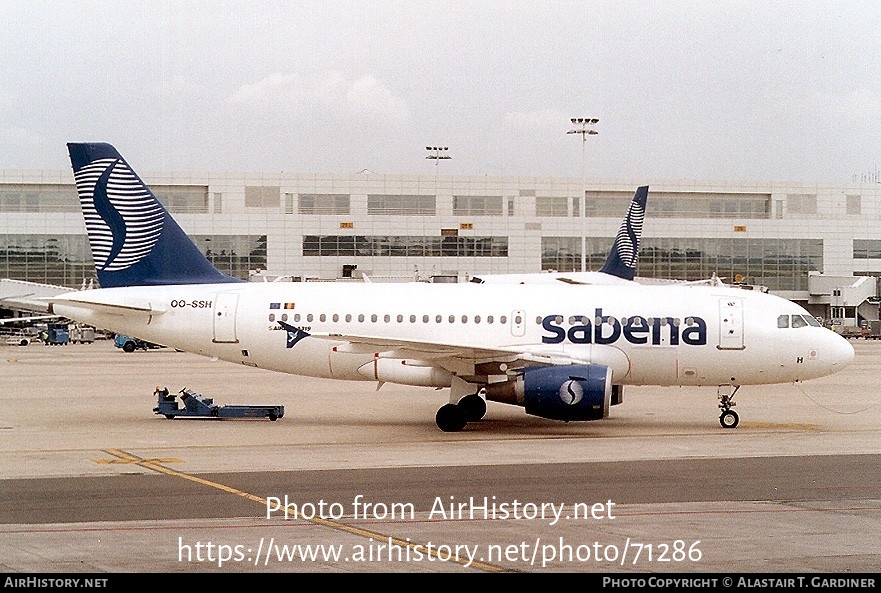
<point x="563" y="351"/>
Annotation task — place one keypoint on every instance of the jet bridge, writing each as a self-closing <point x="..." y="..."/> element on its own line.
<point x="845" y="300"/>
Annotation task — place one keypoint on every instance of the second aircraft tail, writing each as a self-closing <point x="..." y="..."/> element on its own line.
<point x="622" y="258"/>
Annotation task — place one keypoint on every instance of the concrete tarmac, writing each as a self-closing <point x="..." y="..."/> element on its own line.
<point x="94" y="481"/>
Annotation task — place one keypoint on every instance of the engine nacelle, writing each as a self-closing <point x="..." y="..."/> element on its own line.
<point x="574" y="392"/>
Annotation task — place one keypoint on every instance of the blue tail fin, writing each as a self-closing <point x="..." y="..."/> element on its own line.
<point x="622" y="258"/>
<point x="134" y="240"/>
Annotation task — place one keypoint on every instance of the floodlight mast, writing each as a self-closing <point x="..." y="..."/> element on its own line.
<point x="583" y="126"/>
<point x="437" y="154"/>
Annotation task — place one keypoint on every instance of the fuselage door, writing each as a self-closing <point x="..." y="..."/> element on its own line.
<point x="225" y="317"/>
<point x="518" y="323"/>
<point x="731" y="324"/>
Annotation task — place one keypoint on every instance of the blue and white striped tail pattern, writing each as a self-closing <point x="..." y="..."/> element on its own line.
<point x="123" y="219"/>
<point x="624" y="254"/>
<point x="627" y="240"/>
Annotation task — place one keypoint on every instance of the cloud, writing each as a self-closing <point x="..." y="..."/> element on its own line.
<point x="368" y="96"/>
<point x="331" y="92"/>
<point x="280" y="88"/>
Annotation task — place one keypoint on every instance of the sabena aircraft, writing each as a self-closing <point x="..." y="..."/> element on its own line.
<point x="561" y="350"/>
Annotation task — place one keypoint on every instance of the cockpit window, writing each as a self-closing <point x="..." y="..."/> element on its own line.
<point x="799" y="321"/>
<point x="812" y="321"/>
<point x="784" y="321"/>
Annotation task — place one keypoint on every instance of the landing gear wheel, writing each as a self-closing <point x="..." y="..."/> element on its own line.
<point x="450" y="418"/>
<point x="729" y="419"/>
<point x="473" y="407"/>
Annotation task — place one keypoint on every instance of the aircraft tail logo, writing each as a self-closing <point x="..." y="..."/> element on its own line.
<point x="134" y="240"/>
<point x="624" y="254"/>
<point x="122" y="218"/>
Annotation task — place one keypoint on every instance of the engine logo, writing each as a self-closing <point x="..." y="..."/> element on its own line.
<point x="571" y="392"/>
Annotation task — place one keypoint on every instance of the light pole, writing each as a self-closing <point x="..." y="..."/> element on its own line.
<point x="584" y="127"/>
<point x="438" y="154"/>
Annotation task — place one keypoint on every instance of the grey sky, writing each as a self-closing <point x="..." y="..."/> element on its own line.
<point x="787" y="91"/>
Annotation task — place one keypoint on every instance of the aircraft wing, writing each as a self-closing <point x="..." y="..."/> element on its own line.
<point x="456" y="358"/>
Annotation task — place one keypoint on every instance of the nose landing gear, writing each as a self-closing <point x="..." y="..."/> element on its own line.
<point x="728" y="418"/>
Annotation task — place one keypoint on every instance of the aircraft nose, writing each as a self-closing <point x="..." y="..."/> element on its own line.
<point x="841" y="351"/>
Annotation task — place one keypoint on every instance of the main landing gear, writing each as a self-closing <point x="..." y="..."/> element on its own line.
<point x="728" y="418"/>
<point x="453" y="417"/>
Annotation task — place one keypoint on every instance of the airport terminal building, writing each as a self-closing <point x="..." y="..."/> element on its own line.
<point x="816" y="244"/>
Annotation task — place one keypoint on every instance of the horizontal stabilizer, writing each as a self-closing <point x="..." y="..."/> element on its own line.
<point x="112" y="308"/>
<point x="28" y="296"/>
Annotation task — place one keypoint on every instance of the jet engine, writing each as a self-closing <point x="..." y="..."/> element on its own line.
<point x="573" y="392"/>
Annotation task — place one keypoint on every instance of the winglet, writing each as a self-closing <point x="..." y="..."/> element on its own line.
<point x="134" y="240"/>
<point x="622" y="258"/>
